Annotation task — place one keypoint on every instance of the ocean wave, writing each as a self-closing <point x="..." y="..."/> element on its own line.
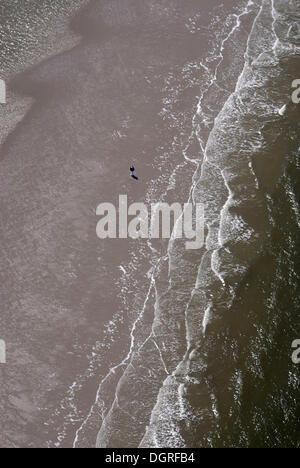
<point x="239" y="172"/>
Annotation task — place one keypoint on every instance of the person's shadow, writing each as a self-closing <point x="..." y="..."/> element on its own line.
<point x="134" y="177"/>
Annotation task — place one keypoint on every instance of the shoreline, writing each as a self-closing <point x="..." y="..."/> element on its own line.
<point x="106" y="431"/>
<point x="216" y="282"/>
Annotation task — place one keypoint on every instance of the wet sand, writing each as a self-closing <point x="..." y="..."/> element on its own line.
<point x="95" y="113"/>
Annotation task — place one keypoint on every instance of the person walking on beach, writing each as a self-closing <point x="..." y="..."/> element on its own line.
<point x="132" y="169"/>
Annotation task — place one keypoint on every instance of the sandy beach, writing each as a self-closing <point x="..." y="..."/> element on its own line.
<point x="125" y="83"/>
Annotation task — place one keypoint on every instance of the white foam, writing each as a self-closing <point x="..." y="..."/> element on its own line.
<point x="206" y="318"/>
<point x="283" y="109"/>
